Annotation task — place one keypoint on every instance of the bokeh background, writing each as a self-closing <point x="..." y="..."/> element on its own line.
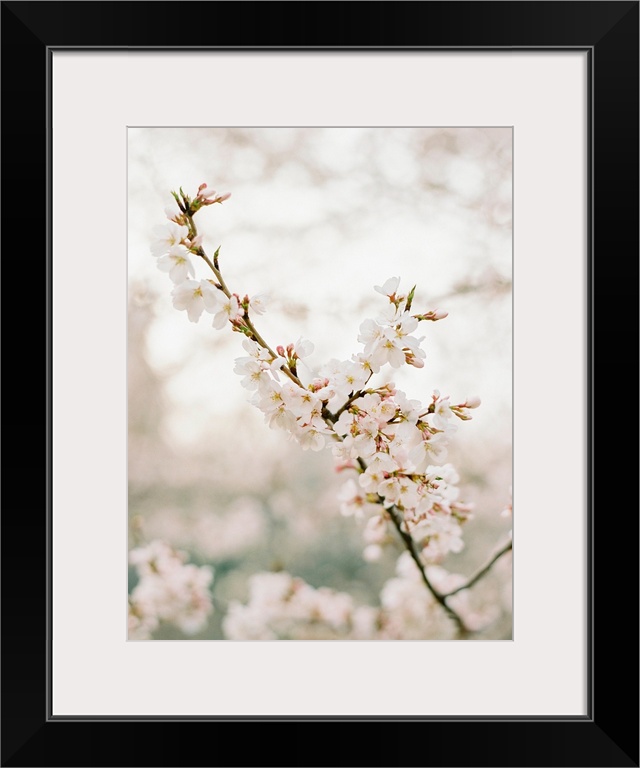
<point x="317" y="217"/>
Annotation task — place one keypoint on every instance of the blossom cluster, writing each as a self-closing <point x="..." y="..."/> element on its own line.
<point x="169" y="591"/>
<point x="281" y="606"/>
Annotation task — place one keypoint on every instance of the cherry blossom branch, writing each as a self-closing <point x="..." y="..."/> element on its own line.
<point x="330" y="418"/>
<point x="400" y="436"/>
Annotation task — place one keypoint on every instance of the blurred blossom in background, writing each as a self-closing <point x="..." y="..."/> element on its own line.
<point x="317" y="217"/>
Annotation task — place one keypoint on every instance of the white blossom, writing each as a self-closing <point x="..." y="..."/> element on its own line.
<point x="303" y="348"/>
<point x="228" y="309"/>
<point x="195" y="296"/>
<point x="258" y="303"/>
<point x="166" y="236"/>
<point x="353" y="501"/>
<point x="168" y="591"/>
<point x="256" y="373"/>
<point x="389" y="287"/>
<point x="177" y="263"/>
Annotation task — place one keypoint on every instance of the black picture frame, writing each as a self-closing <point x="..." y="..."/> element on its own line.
<point x="608" y="31"/>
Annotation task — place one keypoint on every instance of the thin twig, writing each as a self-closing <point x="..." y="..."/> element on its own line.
<point x="355" y="396"/>
<point x="482" y="571"/>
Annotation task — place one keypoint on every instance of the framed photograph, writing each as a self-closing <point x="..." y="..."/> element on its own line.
<point x="232" y="223"/>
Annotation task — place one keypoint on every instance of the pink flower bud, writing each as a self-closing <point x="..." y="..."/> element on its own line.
<point x="434" y="314"/>
<point x="472" y="402"/>
<point x="204" y="192"/>
<point x="411" y="359"/>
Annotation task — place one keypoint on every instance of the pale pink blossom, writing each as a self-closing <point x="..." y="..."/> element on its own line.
<point x="177" y="263"/>
<point x="303" y="348"/>
<point x="169" y="591"/>
<point x="345" y="377"/>
<point x="166" y="237"/>
<point x="228" y="310"/>
<point x="255" y="350"/>
<point x="258" y="303"/>
<point x="195" y="296"/>
<point x="255" y="373"/>
<point x="300" y="401"/>
<point x="389" y="287"/>
<point x="354" y="501"/>
<point x="371" y="334"/>
<point x="442" y="413"/>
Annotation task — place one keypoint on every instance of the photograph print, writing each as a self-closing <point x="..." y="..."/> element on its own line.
<point x="319" y="383"/>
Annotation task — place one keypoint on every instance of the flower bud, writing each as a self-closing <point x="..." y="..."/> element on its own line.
<point x="208" y="196"/>
<point x="434" y="314"/>
<point x="411" y="359"/>
<point x="204" y="192"/>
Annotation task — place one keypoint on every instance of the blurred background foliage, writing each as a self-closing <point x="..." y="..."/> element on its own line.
<point x="317" y="217"/>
